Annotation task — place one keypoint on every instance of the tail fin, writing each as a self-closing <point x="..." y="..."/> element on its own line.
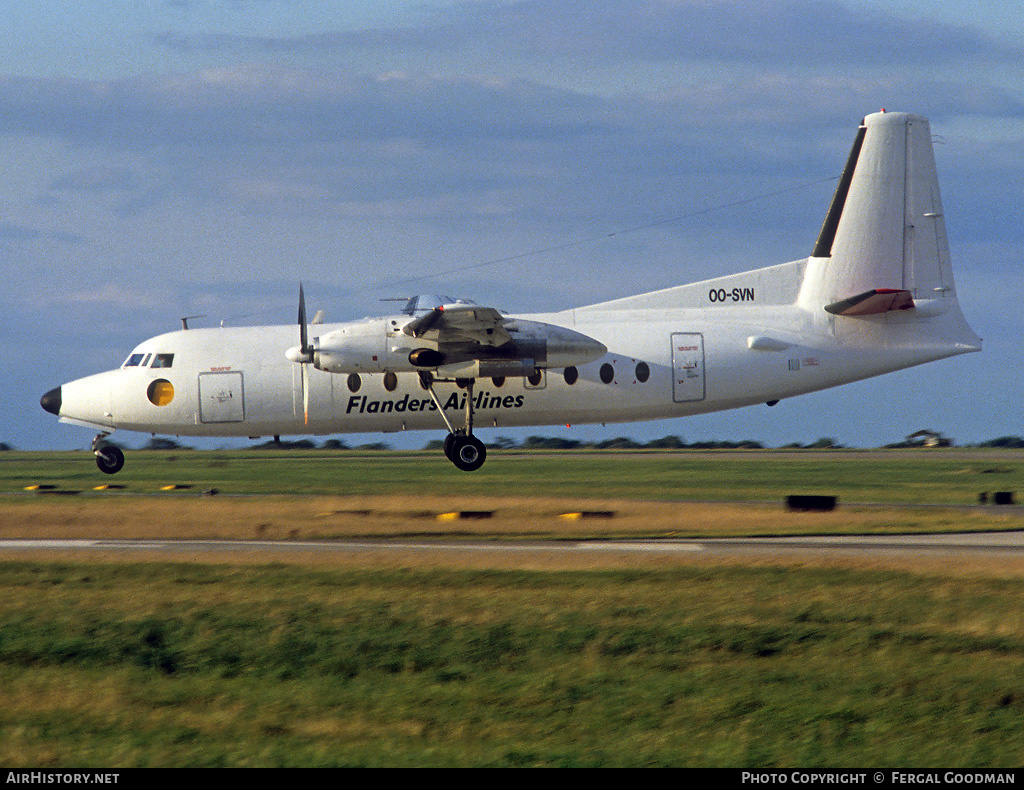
<point x="883" y="244"/>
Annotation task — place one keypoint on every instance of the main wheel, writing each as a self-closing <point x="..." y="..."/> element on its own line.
<point x="468" y="453"/>
<point x="110" y="459"/>
<point x="449" y="440"/>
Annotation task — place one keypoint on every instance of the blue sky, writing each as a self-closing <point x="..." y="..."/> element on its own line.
<point x="181" y="157"/>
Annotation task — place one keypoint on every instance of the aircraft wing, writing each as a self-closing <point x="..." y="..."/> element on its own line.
<point x="460" y="323"/>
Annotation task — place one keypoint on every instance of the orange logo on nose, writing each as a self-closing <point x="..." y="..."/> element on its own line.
<point x="160" y="392"/>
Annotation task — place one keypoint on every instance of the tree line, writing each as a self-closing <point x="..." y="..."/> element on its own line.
<point x="558" y="443"/>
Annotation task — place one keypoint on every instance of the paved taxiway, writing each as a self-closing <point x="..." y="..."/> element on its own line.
<point x="976" y="544"/>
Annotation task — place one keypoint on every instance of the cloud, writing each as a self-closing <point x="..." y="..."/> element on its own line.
<point x="269" y="134"/>
<point x="109" y="295"/>
<point x="750" y="32"/>
<point x="335" y="144"/>
<point x="98" y="178"/>
<point x="808" y="32"/>
<point x="12" y="232"/>
<point x="252" y="104"/>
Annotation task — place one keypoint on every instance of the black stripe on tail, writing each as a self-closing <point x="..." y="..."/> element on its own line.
<point x="823" y="247"/>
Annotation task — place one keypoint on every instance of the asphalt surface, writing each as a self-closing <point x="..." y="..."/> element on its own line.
<point x="977" y="544"/>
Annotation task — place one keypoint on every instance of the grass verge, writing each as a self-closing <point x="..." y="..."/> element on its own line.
<point x="172" y="664"/>
<point x="950" y="476"/>
<point x="186" y="516"/>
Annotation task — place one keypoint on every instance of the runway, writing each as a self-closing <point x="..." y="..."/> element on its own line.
<point x="962" y="545"/>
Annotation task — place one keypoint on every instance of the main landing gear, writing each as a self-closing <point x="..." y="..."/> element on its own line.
<point x="461" y="447"/>
<point x="465" y="451"/>
<point x="109" y="458"/>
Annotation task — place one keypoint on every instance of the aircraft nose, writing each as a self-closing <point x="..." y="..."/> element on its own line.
<point x="51" y="401"/>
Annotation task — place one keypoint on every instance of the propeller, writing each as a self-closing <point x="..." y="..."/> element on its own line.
<point x="304" y="348"/>
<point x="303" y="354"/>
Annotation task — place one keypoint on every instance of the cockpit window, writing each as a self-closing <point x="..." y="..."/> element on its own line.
<point x="133" y="361"/>
<point x="163" y="361"/>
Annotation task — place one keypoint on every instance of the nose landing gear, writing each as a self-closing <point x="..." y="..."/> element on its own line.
<point x="109" y="458"/>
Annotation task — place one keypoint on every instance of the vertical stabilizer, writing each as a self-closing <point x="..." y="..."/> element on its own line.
<point x="883" y="243"/>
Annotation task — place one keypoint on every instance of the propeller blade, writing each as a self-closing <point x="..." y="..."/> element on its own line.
<point x="303" y="354"/>
<point x="305" y="394"/>
<point x="303" y="335"/>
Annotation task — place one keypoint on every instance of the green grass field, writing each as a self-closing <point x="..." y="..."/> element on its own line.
<point x="952" y="476"/>
<point x="198" y="665"/>
<point x="124" y="663"/>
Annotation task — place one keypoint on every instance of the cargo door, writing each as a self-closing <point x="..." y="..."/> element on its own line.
<point x="221" y="397"/>
<point x="687" y="367"/>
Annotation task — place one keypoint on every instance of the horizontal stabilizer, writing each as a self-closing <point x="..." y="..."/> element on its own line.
<point x="877" y="300"/>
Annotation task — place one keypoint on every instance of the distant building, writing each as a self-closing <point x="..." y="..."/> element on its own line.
<point x="926" y="438"/>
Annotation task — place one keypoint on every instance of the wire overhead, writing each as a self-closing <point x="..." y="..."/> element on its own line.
<point x="383" y="285"/>
<point x="591" y="239"/>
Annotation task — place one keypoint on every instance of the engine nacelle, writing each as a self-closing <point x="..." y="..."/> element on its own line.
<point x="426" y="358"/>
<point x="369" y="347"/>
<point x="552" y="346"/>
<point x="355" y="348"/>
<point x="374" y="346"/>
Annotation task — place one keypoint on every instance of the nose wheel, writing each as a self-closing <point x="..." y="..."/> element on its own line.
<point x="109" y="459"/>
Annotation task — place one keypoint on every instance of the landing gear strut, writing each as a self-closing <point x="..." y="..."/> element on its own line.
<point x="109" y="458"/>
<point x="461" y="447"/>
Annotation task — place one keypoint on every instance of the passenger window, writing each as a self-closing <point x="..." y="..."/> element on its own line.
<point x="163" y="360"/>
<point x="133" y="361"/>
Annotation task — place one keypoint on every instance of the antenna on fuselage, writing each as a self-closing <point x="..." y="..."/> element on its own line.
<point x="186" y="318"/>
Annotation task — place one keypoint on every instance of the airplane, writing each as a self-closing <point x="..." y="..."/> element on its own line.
<point x="875" y="295"/>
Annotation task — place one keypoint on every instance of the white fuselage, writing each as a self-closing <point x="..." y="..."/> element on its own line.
<point x="661" y="363"/>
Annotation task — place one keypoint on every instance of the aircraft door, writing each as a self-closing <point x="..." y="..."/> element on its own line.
<point x="688" y="367"/>
<point x="221" y="397"/>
